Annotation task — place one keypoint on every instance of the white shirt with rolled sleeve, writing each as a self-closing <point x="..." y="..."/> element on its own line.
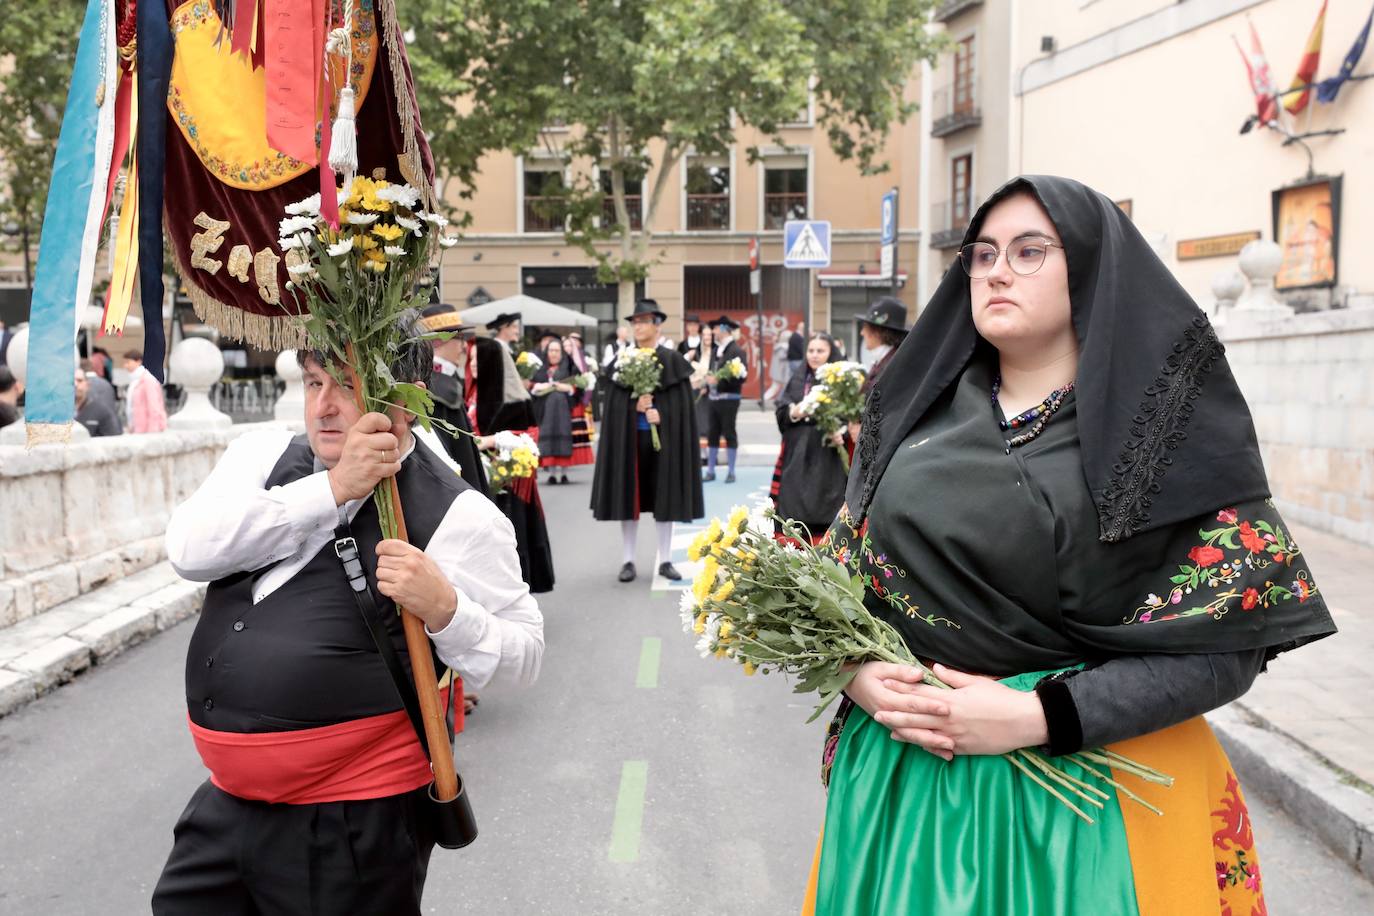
<point x="233" y="523"/>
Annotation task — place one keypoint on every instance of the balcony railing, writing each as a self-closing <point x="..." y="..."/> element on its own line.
<point x="633" y="203"/>
<point x="708" y="211"/>
<point x="955" y="107"/>
<point x="951" y="8"/>
<point x="779" y="208"/>
<point x="949" y="220"/>
<point x="544" y="214"/>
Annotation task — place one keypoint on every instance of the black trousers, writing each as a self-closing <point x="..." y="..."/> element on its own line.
<point x="723" y="416"/>
<point x="232" y="857"/>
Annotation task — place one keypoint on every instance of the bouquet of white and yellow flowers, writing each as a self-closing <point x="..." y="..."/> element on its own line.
<point x="514" y="457"/>
<point x="796" y="609"/>
<point x="583" y="380"/>
<point x="355" y="281"/>
<point x="836" y="401"/>
<point x="639" y="370"/>
<point x="527" y="364"/>
<point x="732" y="370"/>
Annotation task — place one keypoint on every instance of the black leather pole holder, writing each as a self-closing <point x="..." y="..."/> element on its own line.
<point x="453" y="822"/>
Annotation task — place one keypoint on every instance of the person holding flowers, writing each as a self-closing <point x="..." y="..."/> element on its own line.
<point x="647" y="459"/>
<point x="585" y="383"/>
<point x="809" y="477"/>
<point x="553" y="395"/>
<point x="725" y="381"/>
<point x="1059" y="505"/>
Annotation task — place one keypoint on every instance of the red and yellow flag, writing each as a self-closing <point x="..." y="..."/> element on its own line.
<point x="1295" y="99"/>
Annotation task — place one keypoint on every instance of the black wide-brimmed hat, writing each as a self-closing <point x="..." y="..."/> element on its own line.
<point x="888" y="313"/>
<point x="500" y="321"/>
<point x="648" y="307"/>
<point x="725" y="321"/>
<point x="443" y="317"/>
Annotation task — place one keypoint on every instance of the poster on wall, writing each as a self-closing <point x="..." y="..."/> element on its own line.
<point x="1307" y="222"/>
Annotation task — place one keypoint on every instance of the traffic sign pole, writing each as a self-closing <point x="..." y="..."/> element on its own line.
<point x="756" y="280"/>
<point x="892" y="281"/>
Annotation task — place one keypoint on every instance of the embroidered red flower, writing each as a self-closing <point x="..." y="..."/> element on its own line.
<point x="1251" y="538"/>
<point x="1304" y="590"/>
<point x="1223" y="873"/>
<point x="1227" y="515"/>
<point x="1205" y="556"/>
<point x="1280" y="557"/>
<point x="1252" y="878"/>
<point x="1249" y="599"/>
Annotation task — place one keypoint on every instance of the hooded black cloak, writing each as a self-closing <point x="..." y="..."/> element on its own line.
<point x="678" y="496"/>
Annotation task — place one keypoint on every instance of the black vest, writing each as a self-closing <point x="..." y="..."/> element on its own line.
<point x="718" y="359"/>
<point x="302" y="657"/>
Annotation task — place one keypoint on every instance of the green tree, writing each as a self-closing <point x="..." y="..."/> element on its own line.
<point x="38" y="46"/>
<point x="650" y="80"/>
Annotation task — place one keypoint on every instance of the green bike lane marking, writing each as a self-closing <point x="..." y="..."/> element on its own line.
<point x="649" y="654"/>
<point x="629" y="811"/>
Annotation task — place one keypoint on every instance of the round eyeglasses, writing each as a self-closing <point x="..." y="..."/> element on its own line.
<point x="1024" y="256"/>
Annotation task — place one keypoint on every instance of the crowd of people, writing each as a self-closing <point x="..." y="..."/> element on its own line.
<point x="101" y="409"/>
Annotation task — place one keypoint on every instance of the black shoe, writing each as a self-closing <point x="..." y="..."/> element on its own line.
<point x="563" y="478"/>
<point x="669" y="572"/>
<point x="627" y="572"/>
<point x="708" y="476"/>
<point x="729" y="478"/>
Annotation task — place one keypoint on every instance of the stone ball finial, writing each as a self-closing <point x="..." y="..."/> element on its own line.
<point x="17" y="356"/>
<point x="1227" y="287"/>
<point x="197" y="364"/>
<point x="290" y="407"/>
<point x="1260" y="260"/>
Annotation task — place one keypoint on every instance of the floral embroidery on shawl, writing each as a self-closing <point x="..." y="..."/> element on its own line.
<point x="1225" y="569"/>
<point x="851" y="546"/>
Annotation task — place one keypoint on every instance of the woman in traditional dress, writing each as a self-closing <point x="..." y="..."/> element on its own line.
<point x="582" y="430"/>
<point x="553" y="397"/>
<point x="809" y="477"/>
<point x="1060" y="502"/>
<point x="700" y="358"/>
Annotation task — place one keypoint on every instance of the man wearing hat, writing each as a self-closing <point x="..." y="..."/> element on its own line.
<point x="691" y="335"/>
<point x="447" y="384"/>
<point x="882" y="328"/>
<point x="631" y="476"/>
<point x="724" y="398"/>
<point x="506" y="328"/>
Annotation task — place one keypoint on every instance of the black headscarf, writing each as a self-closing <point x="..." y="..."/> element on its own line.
<point x="1159" y="410"/>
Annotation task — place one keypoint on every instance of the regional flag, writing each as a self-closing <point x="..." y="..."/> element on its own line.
<point x="1300" y="90"/>
<point x="1261" y="80"/>
<point x="1327" y="90"/>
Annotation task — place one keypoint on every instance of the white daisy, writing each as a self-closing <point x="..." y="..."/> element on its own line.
<point x="395" y="251"/>
<point x="308" y="207"/>
<point x="340" y="248"/>
<point x="406" y="222"/>
<point x="294" y="224"/>
<point x="301" y="270"/>
<point x="448" y="241"/>
<point x="296" y="241"/>
<point x="433" y="218"/>
<point x="362" y="219"/>
<point x="402" y="194"/>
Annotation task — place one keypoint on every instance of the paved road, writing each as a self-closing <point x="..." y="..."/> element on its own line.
<point x="635" y="778"/>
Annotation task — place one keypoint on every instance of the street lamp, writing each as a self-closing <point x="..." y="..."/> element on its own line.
<point x="12" y="230"/>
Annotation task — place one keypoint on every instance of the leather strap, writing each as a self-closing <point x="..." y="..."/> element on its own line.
<point x="346" y="548"/>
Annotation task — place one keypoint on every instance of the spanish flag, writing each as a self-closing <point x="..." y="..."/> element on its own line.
<point x="1300" y="90"/>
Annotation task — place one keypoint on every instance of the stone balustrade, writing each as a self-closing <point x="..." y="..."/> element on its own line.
<point x="74" y="518"/>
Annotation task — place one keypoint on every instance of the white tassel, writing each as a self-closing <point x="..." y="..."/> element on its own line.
<point x="343" y="142"/>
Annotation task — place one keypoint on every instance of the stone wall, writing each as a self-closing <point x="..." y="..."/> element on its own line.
<point x="1310" y="383"/>
<point x="76" y="517"/>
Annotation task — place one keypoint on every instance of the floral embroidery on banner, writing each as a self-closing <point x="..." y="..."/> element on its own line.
<point x="1236" y="550"/>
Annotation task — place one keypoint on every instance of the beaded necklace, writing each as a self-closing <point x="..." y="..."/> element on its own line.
<point x="1035" y="418"/>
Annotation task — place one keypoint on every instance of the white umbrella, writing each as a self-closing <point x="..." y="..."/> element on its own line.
<point x="532" y="311"/>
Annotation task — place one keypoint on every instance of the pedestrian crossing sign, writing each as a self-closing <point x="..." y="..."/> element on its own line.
<point x="806" y="243"/>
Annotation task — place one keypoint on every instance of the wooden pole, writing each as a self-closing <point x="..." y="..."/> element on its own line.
<point x="417" y="645"/>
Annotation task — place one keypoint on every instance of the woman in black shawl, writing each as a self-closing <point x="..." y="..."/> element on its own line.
<point x="1058" y="485"/>
<point x="809" y="479"/>
<point x="553" y="403"/>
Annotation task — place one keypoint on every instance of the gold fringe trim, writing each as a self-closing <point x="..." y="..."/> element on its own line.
<point x="262" y="331"/>
<point x="47" y="434"/>
<point x="409" y="161"/>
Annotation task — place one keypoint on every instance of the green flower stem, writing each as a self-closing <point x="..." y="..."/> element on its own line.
<point x="1034" y="777"/>
<point x="1079" y="759"/>
<point x="1081" y="786"/>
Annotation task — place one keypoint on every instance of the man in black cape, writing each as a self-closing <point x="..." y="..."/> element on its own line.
<point x="446" y="384"/>
<point x="631" y="476"/>
<point x="724" y="398"/>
